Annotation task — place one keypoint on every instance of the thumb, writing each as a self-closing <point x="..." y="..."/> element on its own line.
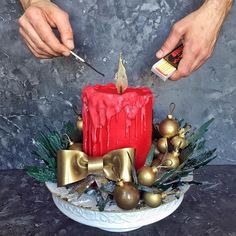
<point x="172" y="40"/>
<point x="64" y="27"/>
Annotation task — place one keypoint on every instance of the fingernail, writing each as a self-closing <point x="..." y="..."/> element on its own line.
<point x="66" y="54"/>
<point x="160" y="53"/>
<point x="70" y="43"/>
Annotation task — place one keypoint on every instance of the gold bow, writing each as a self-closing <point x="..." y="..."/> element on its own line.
<point x="75" y="165"/>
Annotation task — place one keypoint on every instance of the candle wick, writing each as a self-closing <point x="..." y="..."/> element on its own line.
<point x="120" y="90"/>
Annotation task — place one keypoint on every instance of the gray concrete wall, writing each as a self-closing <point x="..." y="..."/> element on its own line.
<point x="35" y="93"/>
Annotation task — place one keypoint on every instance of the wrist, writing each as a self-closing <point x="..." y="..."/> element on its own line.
<point x="219" y="6"/>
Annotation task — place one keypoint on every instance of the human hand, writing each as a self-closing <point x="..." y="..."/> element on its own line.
<point x="36" y="29"/>
<point x="198" y="32"/>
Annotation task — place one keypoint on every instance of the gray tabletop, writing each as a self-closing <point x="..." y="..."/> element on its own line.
<point x="26" y="208"/>
<point x="35" y="93"/>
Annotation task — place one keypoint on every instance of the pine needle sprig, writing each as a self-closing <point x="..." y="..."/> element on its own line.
<point x="46" y="147"/>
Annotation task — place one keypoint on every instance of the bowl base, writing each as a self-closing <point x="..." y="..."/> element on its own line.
<point x="116" y="222"/>
<point x="115" y="230"/>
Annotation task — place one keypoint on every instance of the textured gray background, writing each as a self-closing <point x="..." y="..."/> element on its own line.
<point x="35" y="93"/>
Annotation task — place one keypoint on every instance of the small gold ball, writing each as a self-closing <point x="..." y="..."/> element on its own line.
<point x="126" y="196"/>
<point x="168" y="128"/>
<point x="152" y="199"/>
<point x="162" y="145"/>
<point x="179" y="142"/>
<point x="147" y="175"/>
<point x="171" y="160"/>
<point x="79" y="123"/>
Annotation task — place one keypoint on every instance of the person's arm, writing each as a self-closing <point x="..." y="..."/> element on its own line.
<point x="36" y="25"/>
<point x="198" y="31"/>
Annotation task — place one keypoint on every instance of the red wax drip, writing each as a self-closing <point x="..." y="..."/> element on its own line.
<point x="112" y="121"/>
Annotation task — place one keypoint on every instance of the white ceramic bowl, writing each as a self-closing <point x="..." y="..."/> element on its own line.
<point x="112" y="219"/>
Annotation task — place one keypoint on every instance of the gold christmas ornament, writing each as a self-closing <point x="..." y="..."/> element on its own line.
<point x="162" y="145"/>
<point x="171" y="160"/>
<point x="179" y="141"/>
<point x="169" y="126"/>
<point x="153" y="199"/>
<point x="147" y="175"/>
<point x="79" y="123"/>
<point x="126" y="195"/>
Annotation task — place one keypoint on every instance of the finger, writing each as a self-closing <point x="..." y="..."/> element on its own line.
<point x="32" y="34"/>
<point x="31" y="43"/>
<point x="36" y="54"/>
<point x="64" y="27"/>
<point x="172" y="40"/>
<point x="47" y="36"/>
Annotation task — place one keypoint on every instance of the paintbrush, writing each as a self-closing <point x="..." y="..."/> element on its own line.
<point x="85" y="62"/>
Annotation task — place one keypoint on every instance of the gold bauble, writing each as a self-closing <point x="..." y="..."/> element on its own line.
<point x="179" y="142"/>
<point x="147" y="175"/>
<point x="152" y="199"/>
<point x="168" y="127"/>
<point x="162" y="145"/>
<point x="171" y="160"/>
<point x="126" y="195"/>
<point x="79" y="123"/>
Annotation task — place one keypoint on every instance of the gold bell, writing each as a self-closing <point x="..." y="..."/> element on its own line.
<point x="147" y="175"/>
<point x="169" y="126"/>
<point x="171" y="160"/>
<point x="162" y="145"/>
<point x="180" y="141"/>
<point x="153" y="199"/>
<point x="126" y="195"/>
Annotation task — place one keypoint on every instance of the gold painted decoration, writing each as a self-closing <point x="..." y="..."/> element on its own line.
<point x="153" y="199"/>
<point x="171" y="160"/>
<point x="75" y="165"/>
<point x="169" y="126"/>
<point x="126" y="195"/>
<point x="180" y="141"/>
<point x="162" y="145"/>
<point x="147" y="175"/>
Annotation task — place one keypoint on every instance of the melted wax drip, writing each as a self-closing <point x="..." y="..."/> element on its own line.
<point x="114" y="121"/>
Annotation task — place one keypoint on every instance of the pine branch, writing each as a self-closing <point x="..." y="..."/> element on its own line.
<point x="41" y="174"/>
<point x="46" y="147"/>
<point x="198" y="134"/>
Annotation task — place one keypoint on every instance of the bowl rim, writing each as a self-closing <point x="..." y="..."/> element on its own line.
<point x="120" y="211"/>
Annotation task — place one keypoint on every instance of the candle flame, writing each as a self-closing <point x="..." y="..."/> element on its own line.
<point x="121" y="77"/>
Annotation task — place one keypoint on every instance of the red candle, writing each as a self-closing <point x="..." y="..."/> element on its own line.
<point x="112" y="121"/>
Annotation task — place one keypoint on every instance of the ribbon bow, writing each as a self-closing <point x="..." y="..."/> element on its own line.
<point x="75" y="165"/>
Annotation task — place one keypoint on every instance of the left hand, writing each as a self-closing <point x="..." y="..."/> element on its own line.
<point x="198" y="31"/>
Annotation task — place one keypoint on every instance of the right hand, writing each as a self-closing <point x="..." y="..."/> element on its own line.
<point x="36" y="29"/>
